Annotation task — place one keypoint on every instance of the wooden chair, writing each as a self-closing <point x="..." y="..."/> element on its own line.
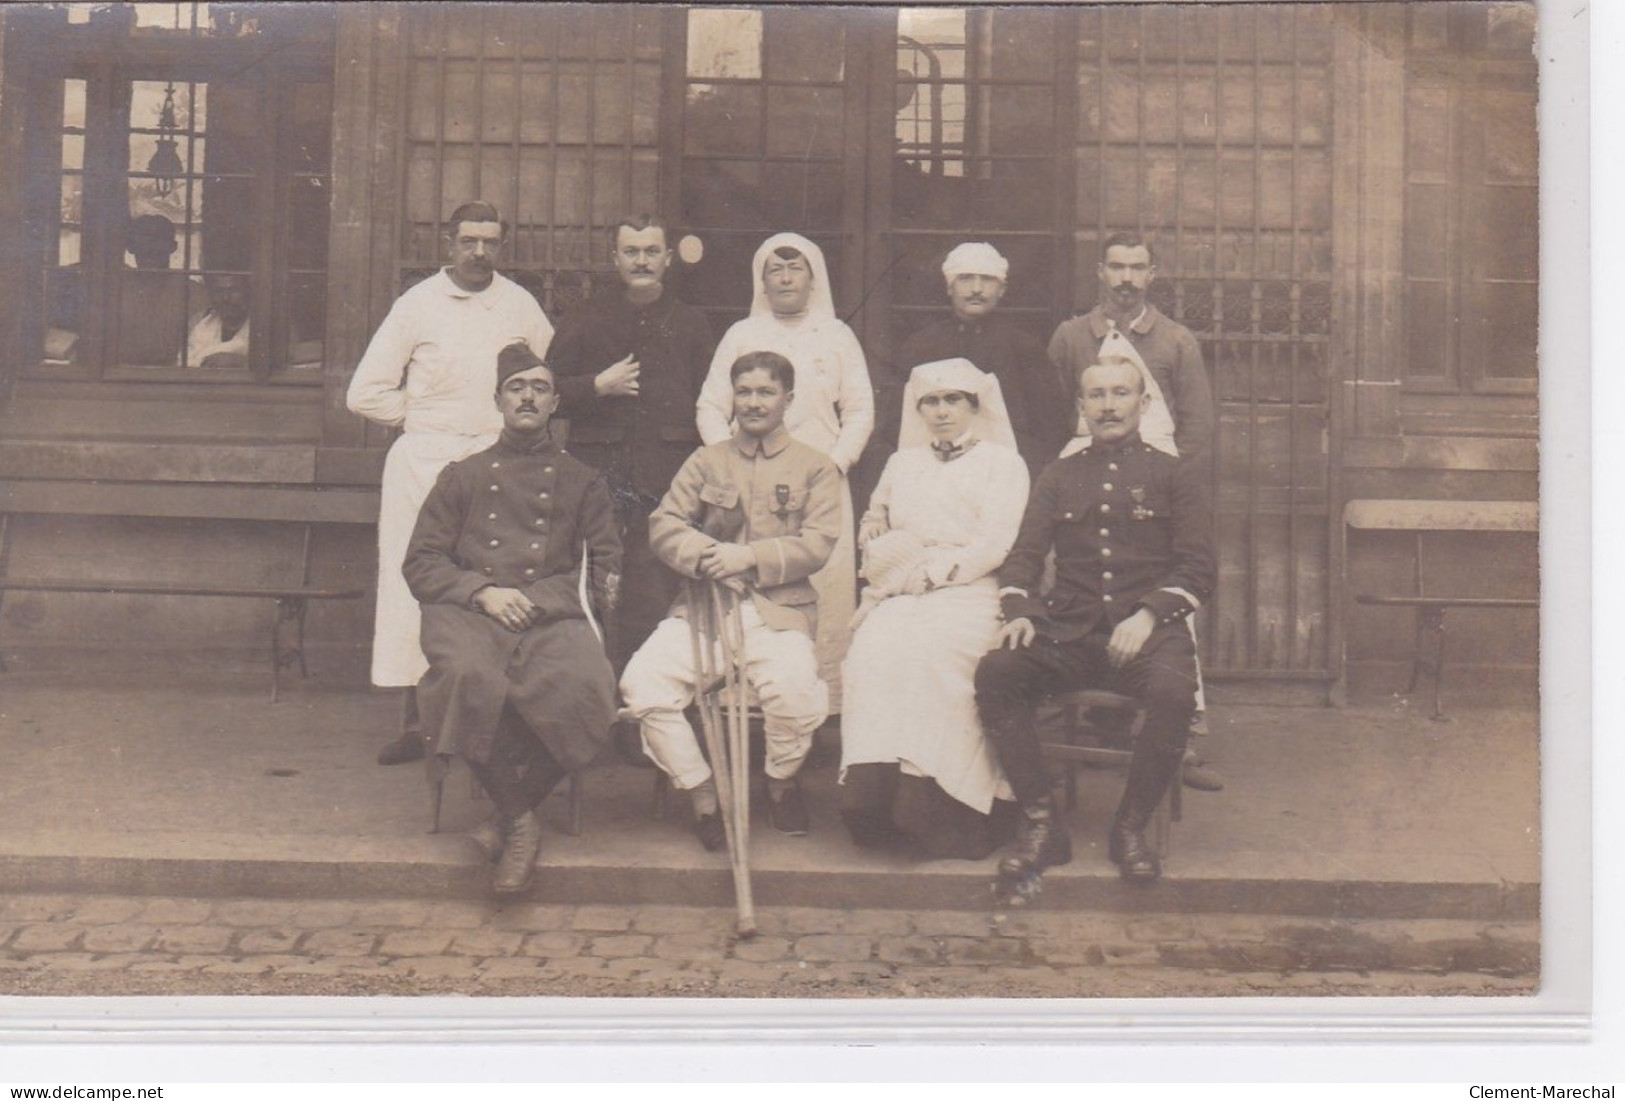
<point x="1085" y="740"/>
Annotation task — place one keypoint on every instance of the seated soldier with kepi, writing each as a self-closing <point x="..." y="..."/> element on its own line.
<point x="513" y="547"/>
<point x="1129" y="526"/>
<point x="757" y="513"/>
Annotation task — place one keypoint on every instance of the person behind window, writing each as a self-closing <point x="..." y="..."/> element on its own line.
<point x="219" y="338"/>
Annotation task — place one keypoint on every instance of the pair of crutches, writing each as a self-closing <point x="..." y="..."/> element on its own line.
<point x="714" y="624"/>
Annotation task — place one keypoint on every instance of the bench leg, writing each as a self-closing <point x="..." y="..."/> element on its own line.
<point x="290" y="616"/>
<point x="1433" y="619"/>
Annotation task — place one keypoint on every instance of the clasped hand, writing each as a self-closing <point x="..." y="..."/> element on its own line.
<point x="726" y="562"/>
<point x="618" y="380"/>
<point x="1128" y="637"/>
<point x="509" y="607"/>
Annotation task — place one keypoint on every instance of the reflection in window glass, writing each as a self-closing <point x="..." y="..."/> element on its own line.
<point x="930" y="98"/>
<point x="724" y="44"/>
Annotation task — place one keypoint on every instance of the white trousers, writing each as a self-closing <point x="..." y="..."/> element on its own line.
<point x="781" y="668"/>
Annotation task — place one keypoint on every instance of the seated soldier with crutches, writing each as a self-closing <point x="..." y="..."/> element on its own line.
<point x="748" y="520"/>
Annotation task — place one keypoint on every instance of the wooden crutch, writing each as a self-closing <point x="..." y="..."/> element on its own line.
<point x="706" y="629"/>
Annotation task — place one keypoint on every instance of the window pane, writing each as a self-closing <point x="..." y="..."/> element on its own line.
<point x="1427" y="330"/>
<point x="806" y="45"/>
<point x="806" y="195"/>
<point x="1022" y="120"/>
<point x="725" y="44"/>
<point x="1510" y="329"/>
<point x="307" y="321"/>
<point x="1510" y="234"/>
<point x="804" y="122"/>
<point x="1022" y="44"/>
<point x="723" y="118"/>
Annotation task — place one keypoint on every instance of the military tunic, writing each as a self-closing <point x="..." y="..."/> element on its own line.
<point x="517" y="516"/>
<point x="1130" y="528"/>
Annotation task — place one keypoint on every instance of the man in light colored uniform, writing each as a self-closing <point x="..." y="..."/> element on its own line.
<point x="430" y="371"/>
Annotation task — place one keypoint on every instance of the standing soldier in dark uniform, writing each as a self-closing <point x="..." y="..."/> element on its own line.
<point x="1129" y="526"/>
<point x="629" y="367"/>
<point x="513" y="547"/>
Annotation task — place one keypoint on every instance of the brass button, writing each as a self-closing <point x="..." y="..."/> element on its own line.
<point x="496" y="466"/>
<point x="1105" y="508"/>
<point x="1103" y="531"/>
<point x="535" y="546"/>
<point x="493" y="516"/>
<point x="493" y="489"/>
<point x="1105" y="552"/>
<point x="496" y="542"/>
<point x="530" y="573"/>
<point x="1107" y="487"/>
<point x="1107" y="598"/>
<point x="1111" y="466"/>
<point x="1107" y="576"/>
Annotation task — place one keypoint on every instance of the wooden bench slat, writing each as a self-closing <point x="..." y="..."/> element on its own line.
<point x="1448" y="601"/>
<point x="190" y="588"/>
<point x="179" y="501"/>
<point x="1420" y="515"/>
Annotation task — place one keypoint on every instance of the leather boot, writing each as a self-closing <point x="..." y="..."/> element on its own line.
<point x="1044" y="843"/>
<point x="518" y="859"/>
<point x="1149" y="775"/>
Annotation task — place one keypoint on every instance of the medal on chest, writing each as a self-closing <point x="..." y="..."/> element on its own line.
<point x="1139" y="512"/>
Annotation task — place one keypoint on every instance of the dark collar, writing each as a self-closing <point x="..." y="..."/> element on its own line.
<point x="543" y="445"/>
<point x="1128" y="443"/>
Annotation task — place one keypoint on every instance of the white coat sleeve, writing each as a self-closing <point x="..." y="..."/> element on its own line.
<point x="376" y="390"/>
<point x="1003" y="499"/>
<point x="713" y="412"/>
<point x="854" y="403"/>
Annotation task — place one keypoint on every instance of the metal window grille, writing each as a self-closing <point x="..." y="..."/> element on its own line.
<point x="551" y="112"/>
<point x="1209" y="129"/>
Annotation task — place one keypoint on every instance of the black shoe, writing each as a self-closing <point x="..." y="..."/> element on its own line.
<point x="789" y="812"/>
<point x="709" y="829"/>
<point x="1135" y="859"/>
<point x="408" y="747"/>
<point x="518" y="860"/>
<point x="1044" y="844"/>
<point x="1201" y="778"/>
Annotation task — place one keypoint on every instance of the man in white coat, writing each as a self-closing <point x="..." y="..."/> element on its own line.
<point x="430" y="371"/>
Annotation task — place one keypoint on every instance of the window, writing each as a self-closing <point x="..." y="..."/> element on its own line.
<point x="549" y="111"/>
<point x="974" y="153"/>
<point x="1472" y="225"/>
<point x="180" y="192"/>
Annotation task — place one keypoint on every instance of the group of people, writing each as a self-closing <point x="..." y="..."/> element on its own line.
<point x="531" y="590"/>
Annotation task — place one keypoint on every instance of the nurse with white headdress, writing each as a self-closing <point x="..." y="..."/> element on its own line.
<point x="792" y="313"/>
<point x="916" y="768"/>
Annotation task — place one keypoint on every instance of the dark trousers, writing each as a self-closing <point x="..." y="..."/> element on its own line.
<point x="1010" y="684"/>
<point x="520" y="772"/>
<point x="648" y="587"/>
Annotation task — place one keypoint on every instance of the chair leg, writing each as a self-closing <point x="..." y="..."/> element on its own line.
<point x="574" y="796"/>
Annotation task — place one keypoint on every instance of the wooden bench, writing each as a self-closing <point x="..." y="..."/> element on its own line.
<point x="303" y="505"/>
<point x="1421" y="517"/>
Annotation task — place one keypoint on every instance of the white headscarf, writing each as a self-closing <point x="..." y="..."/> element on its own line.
<point x="1156" y="423"/>
<point x="990" y="422"/>
<point x="820" y="304"/>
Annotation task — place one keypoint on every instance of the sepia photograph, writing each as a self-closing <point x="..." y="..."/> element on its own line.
<point x="787" y="501"/>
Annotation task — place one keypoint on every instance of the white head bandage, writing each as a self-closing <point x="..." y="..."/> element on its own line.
<point x="976" y="258"/>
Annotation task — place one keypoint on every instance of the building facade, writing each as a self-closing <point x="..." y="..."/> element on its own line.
<point x="1343" y="199"/>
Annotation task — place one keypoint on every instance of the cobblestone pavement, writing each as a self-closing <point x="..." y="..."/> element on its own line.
<point x="107" y="945"/>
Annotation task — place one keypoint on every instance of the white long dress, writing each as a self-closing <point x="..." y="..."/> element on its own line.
<point x="833" y="411"/>
<point x="910" y="672"/>
<point x="431" y="370"/>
